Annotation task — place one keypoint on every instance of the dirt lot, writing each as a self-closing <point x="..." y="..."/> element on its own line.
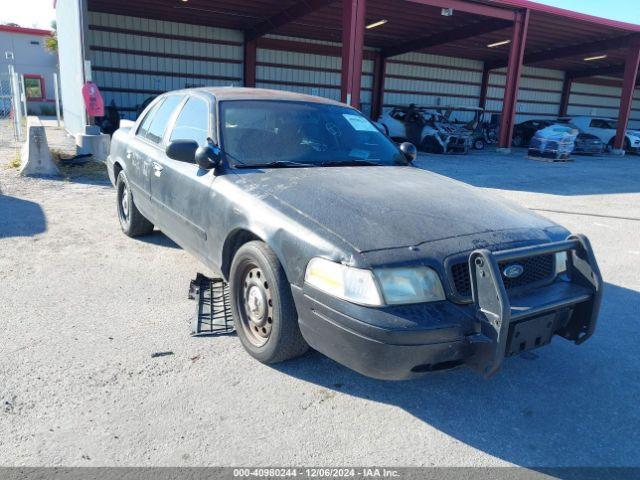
<point x="83" y="308"/>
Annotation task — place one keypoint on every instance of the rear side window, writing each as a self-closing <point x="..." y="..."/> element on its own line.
<point x="161" y="118"/>
<point x="144" y="126"/>
<point x="193" y="122"/>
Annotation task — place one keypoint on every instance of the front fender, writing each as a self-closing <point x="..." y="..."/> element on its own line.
<point x="292" y="236"/>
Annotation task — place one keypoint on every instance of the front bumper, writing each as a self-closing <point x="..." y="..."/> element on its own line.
<point x="589" y="148"/>
<point x="457" y="144"/>
<point x="402" y="342"/>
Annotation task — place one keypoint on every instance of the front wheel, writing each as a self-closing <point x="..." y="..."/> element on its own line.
<point x="262" y="305"/>
<point x="132" y="222"/>
<point x="626" y="147"/>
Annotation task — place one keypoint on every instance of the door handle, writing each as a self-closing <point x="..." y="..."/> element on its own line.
<point x="129" y="154"/>
<point x="157" y="167"/>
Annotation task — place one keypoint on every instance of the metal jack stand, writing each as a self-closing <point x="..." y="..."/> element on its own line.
<point x="213" y="311"/>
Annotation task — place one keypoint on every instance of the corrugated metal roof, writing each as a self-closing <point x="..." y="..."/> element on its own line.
<point x="550" y="27"/>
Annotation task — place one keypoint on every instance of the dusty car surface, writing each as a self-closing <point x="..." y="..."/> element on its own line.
<point x="330" y="238"/>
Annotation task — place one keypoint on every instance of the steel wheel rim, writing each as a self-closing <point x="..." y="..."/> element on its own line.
<point x="125" y="202"/>
<point x="124" y="206"/>
<point x="255" y="306"/>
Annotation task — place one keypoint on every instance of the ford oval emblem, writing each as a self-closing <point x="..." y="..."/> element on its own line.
<point x="513" y="271"/>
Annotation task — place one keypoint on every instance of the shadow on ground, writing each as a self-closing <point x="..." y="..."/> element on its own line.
<point x="158" y="238"/>
<point x="585" y="175"/>
<point x="562" y="405"/>
<point x="20" y="218"/>
<point x="86" y="172"/>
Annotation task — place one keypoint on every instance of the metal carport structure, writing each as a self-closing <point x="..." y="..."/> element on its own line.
<point x="521" y="34"/>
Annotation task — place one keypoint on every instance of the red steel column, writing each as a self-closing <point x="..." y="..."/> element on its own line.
<point x="484" y="86"/>
<point x="628" y="86"/>
<point x="377" y="96"/>
<point x="250" y="54"/>
<point x="566" y="93"/>
<point x="514" y="69"/>
<point x="353" y="12"/>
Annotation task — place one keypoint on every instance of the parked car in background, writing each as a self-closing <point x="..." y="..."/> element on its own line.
<point x="588" y="144"/>
<point x="474" y="121"/>
<point x="426" y="128"/>
<point x="330" y="238"/>
<point x="555" y="141"/>
<point x="585" y="143"/>
<point x="605" y="130"/>
<point x="524" y="132"/>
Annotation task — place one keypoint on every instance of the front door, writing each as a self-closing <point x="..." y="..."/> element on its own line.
<point x="182" y="190"/>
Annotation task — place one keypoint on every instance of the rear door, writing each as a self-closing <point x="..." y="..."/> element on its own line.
<point x="182" y="189"/>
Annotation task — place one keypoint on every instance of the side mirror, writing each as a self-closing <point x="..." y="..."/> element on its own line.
<point x="182" y="150"/>
<point x="409" y="151"/>
<point x="208" y="157"/>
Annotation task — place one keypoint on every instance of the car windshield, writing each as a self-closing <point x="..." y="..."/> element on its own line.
<point x="293" y="134"/>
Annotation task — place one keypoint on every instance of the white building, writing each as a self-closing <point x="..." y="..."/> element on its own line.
<point x="24" y="48"/>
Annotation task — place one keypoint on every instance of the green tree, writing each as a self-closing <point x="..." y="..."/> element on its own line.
<point x="51" y="43"/>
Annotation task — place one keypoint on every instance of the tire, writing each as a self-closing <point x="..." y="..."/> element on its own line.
<point x="132" y="222"/>
<point x="431" y="145"/>
<point x="262" y="305"/>
<point x="626" y="146"/>
<point x="518" y="141"/>
<point x="479" y="144"/>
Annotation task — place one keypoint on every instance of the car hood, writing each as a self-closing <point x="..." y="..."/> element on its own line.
<point x="374" y="208"/>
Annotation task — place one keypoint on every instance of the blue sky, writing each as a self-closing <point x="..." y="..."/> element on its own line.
<point x="39" y="13"/>
<point x="622" y="10"/>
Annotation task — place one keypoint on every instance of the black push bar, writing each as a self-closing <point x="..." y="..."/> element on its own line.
<point x="574" y="298"/>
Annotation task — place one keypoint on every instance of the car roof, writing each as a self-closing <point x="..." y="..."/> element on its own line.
<point x="588" y="117"/>
<point x="244" y="93"/>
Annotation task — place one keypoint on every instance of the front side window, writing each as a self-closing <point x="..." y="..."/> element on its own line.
<point x="192" y="122"/>
<point x="161" y="118"/>
<point x="34" y="87"/>
<point x="260" y="132"/>
<point x="143" y="128"/>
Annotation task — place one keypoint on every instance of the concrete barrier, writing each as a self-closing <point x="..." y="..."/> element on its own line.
<point x="35" y="156"/>
<point x="93" y="142"/>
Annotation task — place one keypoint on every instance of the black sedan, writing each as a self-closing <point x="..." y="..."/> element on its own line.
<point x="329" y="237"/>
<point x="524" y="132"/>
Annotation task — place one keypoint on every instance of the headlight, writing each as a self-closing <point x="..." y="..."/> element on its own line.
<point x="353" y="284"/>
<point x="561" y="263"/>
<point x="396" y="285"/>
<point x="410" y="285"/>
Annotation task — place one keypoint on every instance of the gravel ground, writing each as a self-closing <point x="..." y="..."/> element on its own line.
<point x="83" y="308"/>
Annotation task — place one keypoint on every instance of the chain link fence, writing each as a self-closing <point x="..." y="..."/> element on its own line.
<point x="12" y="110"/>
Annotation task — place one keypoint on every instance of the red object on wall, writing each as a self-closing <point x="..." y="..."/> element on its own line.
<point x="93" y="100"/>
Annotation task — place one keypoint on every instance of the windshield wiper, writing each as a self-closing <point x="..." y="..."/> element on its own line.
<point x="274" y="164"/>
<point x="350" y="163"/>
